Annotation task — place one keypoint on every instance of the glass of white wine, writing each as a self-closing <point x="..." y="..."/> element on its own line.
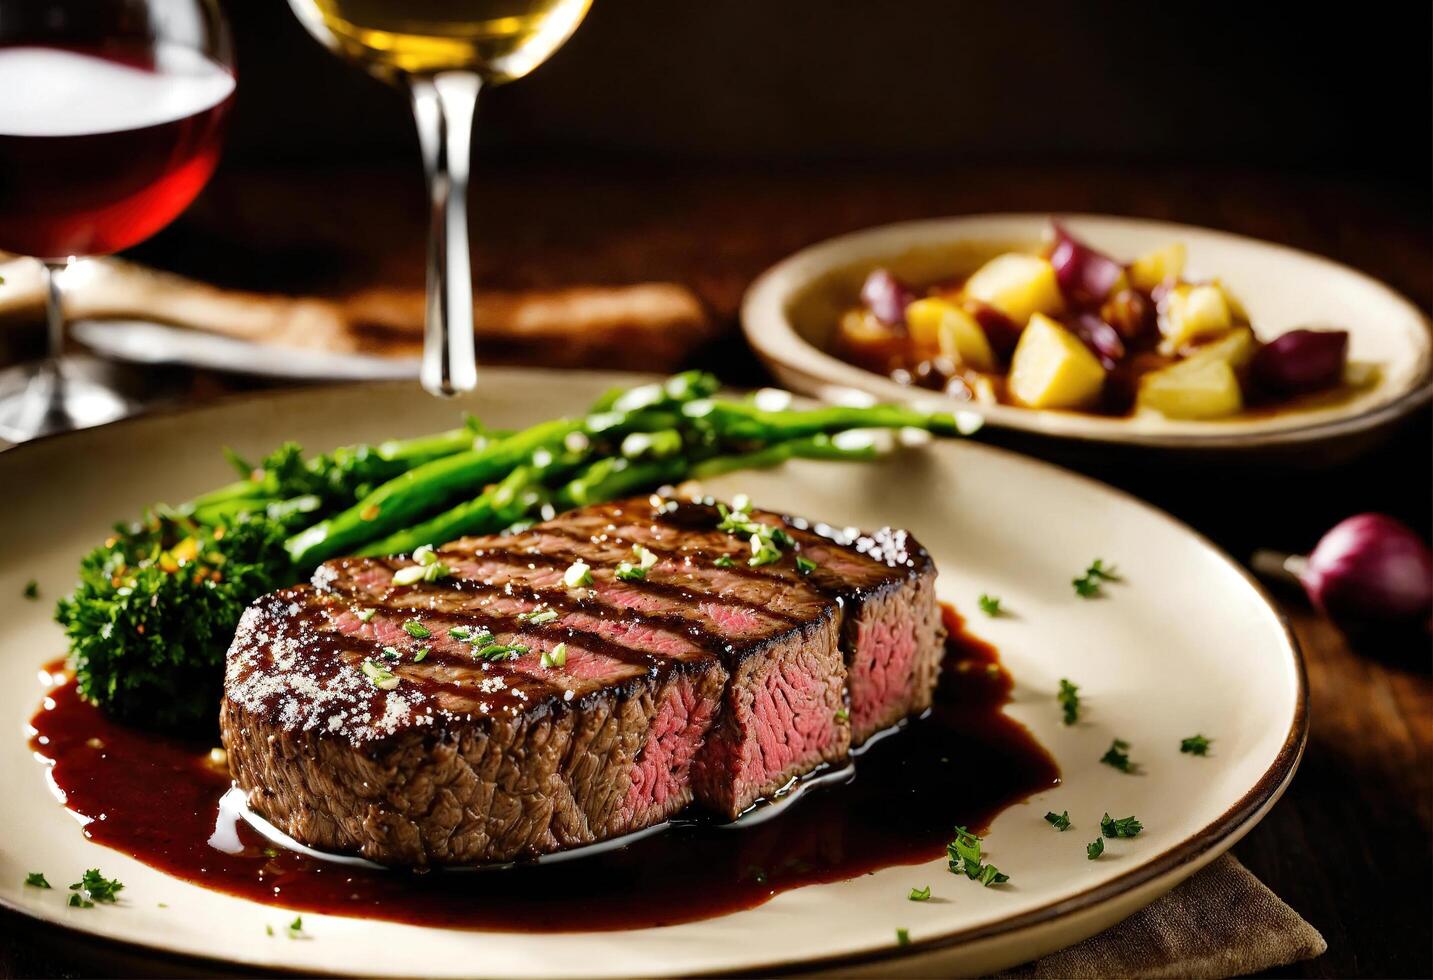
<point x="444" y="52"/>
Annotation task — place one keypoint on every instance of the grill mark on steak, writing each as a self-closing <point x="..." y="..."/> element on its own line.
<point x="665" y="590"/>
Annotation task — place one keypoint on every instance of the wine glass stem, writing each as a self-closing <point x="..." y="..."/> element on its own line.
<point x="54" y="317"/>
<point x="443" y="106"/>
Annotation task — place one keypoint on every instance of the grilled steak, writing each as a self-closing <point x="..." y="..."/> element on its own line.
<point x="706" y="680"/>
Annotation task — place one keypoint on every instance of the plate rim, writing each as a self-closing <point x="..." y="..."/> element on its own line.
<point x="762" y="301"/>
<point x="1217" y="836"/>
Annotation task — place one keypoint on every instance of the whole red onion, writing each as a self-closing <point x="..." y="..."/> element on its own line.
<point x="1370" y="567"/>
<point x="1083" y="273"/>
<point x="887" y="297"/>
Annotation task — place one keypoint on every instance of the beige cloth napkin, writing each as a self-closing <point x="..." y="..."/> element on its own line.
<point x="1223" y="922"/>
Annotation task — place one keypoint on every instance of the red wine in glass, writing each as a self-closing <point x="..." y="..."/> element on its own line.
<point x="102" y="143"/>
<point x="101" y="148"/>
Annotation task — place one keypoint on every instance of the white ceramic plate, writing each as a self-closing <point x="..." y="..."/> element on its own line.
<point x="1186" y="643"/>
<point x="790" y="313"/>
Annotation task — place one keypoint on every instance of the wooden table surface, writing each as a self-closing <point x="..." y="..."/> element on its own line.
<point x="1349" y="845"/>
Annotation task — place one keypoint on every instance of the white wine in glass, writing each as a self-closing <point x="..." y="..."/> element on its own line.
<point x="444" y="52"/>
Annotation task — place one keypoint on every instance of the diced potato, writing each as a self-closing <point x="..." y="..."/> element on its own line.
<point x="940" y="324"/>
<point x="1188" y="313"/>
<point x="1052" y="368"/>
<point x="1150" y="270"/>
<point x="1197" y="388"/>
<point x="1236" y="348"/>
<point x="1017" y="285"/>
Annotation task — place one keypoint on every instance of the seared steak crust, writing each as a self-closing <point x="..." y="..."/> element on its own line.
<point x="707" y="681"/>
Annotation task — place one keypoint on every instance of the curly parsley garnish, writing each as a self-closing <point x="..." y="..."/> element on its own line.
<point x="920" y="894"/>
<point x="1060" y="821"/>
<point x="1194" y="745"/>
<point x="1117" y="756"/>
<point x="1069" y="698"/>
<point x="964" y="853"/>
<point x="989" y="604"/>
<point x="36" y="879"/>
<point x="32" y="589"/>
<point x="94" y="887"/>
<point x="1095" y="848"/>
<point x="903" y="937"/>
<point x="1123" y="827"/>
<point x="1087" y="586"/>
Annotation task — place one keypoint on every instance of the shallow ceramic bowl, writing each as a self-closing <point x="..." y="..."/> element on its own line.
<point x="1185" y="643"/>
<point x="791" y="312"/>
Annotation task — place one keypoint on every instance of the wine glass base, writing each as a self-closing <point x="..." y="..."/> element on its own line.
<point x="46" y="400"/>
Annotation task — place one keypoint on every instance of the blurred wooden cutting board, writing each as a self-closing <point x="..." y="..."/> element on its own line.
<point x="645" y="326"/>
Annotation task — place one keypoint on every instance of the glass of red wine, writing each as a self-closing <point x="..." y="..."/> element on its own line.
<point x="111" y="116"/>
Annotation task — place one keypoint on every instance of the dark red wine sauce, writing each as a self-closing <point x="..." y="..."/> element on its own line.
<point x="155" y="798"/>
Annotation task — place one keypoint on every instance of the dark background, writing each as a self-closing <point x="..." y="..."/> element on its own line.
<point x="1306" y="88"/>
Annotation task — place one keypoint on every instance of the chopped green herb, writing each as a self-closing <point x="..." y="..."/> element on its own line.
<point x="538" y="618"/>
<point x="1123" y="827"/>
<point x="296" y="927"/>
<point x="989" y="604"/>
<point x="556" y="657"/>
<point x="1194" y="745"/>
<point x="1087" y="586"/>
<point x="763" y="551"/>
<point x="463" y="634"/>
<point x="1060" y="821"/>
<point x="903" y="937"/>
<point x="726" y="561"/>
<point x="366" y="615"/>
<point x="628" y="572"/>
<point x="1095" y="848"/>
<point x="578" y="574"/>
<point x="95" y="886"/>
<point x="391" y="653"/>
<point x="420" y="654"/>
<point x="498" y="652"/>
<point x="920" y="894"/>
<point x="271" y="852"/>
<point x="36" y="879"/>
<point x="416" y="629"/>
<point x="805" y="565"/>
<point x="79" y="903"/>
<point x="424" y="555"/>
<point x="32" y="589"/>
<point x="432" y="571"/>
<point x="645" y="558"/>
<point x="1069" y="699"/>
<point x="268" y="929"/>
<point x="380" y="676"/>
<point x="1117" y="756"/>
<point x="843" y="715"/>
<point x="964" y="853"/>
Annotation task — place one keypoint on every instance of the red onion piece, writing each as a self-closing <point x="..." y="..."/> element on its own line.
<point x="1371" y="568"/>
<point x="1302" y="360"/>
<point x="1084" y="274"/>
<point x="1002" y="332"/>
<point x="1101" y="338"/>
<point x="887" y="297"/>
